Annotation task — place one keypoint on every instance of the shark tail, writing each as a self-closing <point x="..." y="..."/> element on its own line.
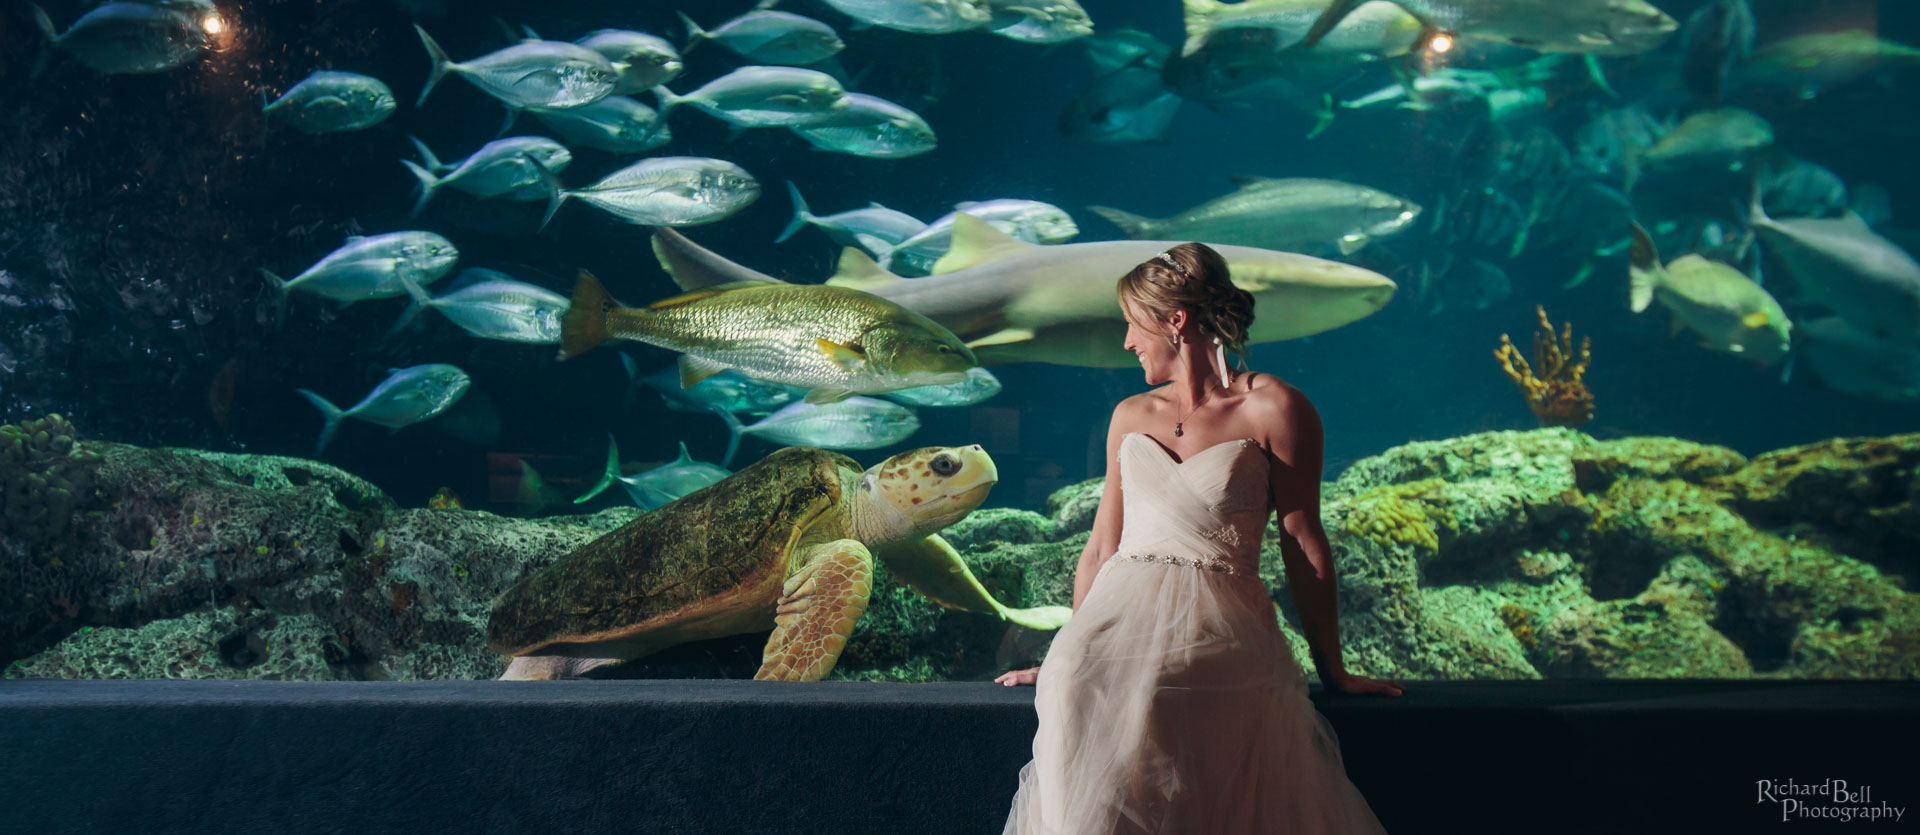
<point x="1134" y="225"/>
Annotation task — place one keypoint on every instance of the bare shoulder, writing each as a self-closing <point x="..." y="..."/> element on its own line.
<point x="1134" y="411"/>
<point x="1271" y="397"/>
<point x="1288" y="418"/>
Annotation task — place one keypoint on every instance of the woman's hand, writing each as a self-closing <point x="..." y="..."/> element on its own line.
<point x="1014" y="677"/>
<point x="1349" y="683"/>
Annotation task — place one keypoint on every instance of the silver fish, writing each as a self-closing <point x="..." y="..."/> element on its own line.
<point x="1039" y="21"/>
<point x="1116" y="48"/>
<point x="1029" y="220"/>
<point x="670" y="191"/>
<point x="1599" y="27"/>
<point x="618" y="124"/>
<point x="333" y="102"/>
<point x="1728" y="310"/>
<point x="752" y="97"/>
<point x="125" y="38"/>
<point x="1854" y="363"/>
<point x="661" y="485"/>
<point x="979" y="385"/>
<point x="927" y="17"/>
<point x="492" y="305"/>
<point x="1799" y="188"/>
<point x="870" y="126"/>
<point x="770" y="37"/>
<point x="1725" y="137"/>
<point x="532" y="73"/>
<point x="373" y="267"/>
<point x="1291" y="215"/>
<point x="503" y="167"/>
<point x="408" y="396"/>
<point x="854" y="227"/>
<point x="728" y="391"/>
<point x="1127" y="105"/>
<point x="1843" y="264"/>
<point x="642" y="61"/>
<point x="857" y="422"/>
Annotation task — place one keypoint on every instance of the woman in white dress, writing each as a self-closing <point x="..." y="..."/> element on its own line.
<point x="1171" y="702"/>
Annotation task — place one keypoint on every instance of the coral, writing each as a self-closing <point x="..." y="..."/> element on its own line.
<point x="47" y="478"/>
<point x="1555" y="393"/>
<point x="1403" y="513"/>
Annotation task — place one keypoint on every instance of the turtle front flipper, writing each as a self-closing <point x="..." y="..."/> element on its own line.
<point x="818" y="607"/>
<point x="935" y="570"/>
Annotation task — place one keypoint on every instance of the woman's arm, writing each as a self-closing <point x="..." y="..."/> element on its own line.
<point x="1298" y="442"/>
<point x="1106" y="519"/>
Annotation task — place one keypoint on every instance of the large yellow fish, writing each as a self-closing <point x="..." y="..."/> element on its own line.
<point x="836" y="341"/>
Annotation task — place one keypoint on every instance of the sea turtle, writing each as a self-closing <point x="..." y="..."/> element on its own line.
<point x="786" y="544"/>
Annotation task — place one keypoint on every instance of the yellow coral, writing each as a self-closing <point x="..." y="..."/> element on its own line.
<point x="1396" y="512"/>
<point x="1556" y="395"/>
<point x="1520" y="622"/>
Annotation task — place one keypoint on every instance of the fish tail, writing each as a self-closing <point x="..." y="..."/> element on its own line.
<point x="734" y="430"/>
<point x="668" y="100"/>
<point x="607" y="478"/>
<point x="280" y="290"/>
<point x="506" y="122"/>
<point x="45" y="24"/>
<point x="1199" y="18"/>
<point x="800" y="215"/>
<point x="440" y="64"/>
<point x="429" y="185"/>
<point x="332" y="413"/>
<point x="421" y="301"/>
<point x="1643" y="269"/>
<point x="1134" y="225"/>
<point x="584" y="328"/>
<point x="695" y="34"/>
<point x="556" y="193"/>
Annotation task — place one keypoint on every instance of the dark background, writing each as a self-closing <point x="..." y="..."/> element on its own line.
<point x="136" y="212"/>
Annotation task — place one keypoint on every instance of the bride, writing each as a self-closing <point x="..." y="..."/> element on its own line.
<point x="1171" y="702"/>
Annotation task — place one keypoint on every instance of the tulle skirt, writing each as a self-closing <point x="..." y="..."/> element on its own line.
<point x="1171" y="703"/>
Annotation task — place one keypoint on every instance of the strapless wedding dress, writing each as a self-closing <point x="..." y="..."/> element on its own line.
<point x="1170" y="703"/>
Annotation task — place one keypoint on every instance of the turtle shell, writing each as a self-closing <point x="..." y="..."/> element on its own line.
<point x="709" y="564"/>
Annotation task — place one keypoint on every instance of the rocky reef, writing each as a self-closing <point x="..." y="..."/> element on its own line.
<point x="1534" y="554"/>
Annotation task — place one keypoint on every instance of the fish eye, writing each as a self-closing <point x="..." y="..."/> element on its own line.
<point x="944" y="464"/>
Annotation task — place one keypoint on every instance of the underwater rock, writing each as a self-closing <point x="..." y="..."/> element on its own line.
<point x="1072" y="507"/>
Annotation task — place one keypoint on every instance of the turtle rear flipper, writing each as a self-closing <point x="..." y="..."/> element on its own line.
<point x="818" y="607"/>
<point x="551" y="667"/>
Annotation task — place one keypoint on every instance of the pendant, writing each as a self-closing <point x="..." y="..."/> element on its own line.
<point x="1176" y="431"/>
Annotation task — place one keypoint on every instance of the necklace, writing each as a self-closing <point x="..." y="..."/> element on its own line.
<point x="1177" y="432"/>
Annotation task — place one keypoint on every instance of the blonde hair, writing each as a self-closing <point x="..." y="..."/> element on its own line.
<point x="1193" y="277"/>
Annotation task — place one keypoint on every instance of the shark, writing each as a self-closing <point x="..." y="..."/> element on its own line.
<point x="1012" y="301"/>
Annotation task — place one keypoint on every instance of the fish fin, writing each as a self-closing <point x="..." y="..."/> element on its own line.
<point x="556" y="193"/>
<point x="1350" y="244"/>
<point x="1323" y="118"/>
<point x="692" y="296"/>
<point x="694" y="267"/>
<point x="821" y="397"/>
<point x="1756" y="319"/>
<point x="509" y="113"/>
<point x="1329" y="18"/>
<point x="860" y="272"/>
<point x="1199" y="20"/>
<point x="685" y="457"/>
<point x="695" y="34"/>
<point x="440" y="64"/>
<point x="976" y="242"/>
<point x="608" y="476"/>
<point x="666" y="99"/>
<point x="584" y="327"/>
<point x="279" y="296"/>
<point x="846" y="357"/>
<point x="1134" y="225"/>
<point x="45" y="24"/>
<point x="429" y="186"/>
<point x="1786" y="373"/>
<point x="800" y="213"/>
<point x="1643" y="269"/>
<point x="1002" y="337"/>
<point x="330" y="412"/>
<point x="694" y="369"/>
<point x="421" y="301"/>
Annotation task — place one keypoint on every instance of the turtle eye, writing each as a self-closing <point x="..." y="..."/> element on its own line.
<point x="944" y="465"/>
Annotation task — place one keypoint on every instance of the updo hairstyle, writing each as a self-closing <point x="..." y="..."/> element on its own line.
<point x="1193" y="277"/>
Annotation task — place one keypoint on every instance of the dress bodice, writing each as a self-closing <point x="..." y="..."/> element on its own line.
<point x="1208" y="511"/>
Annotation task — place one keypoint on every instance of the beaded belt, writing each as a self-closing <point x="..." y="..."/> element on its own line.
<point x="1208" y="563"/>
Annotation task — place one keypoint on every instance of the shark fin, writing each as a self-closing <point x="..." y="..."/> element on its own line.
<point x="704" y="292"/>
<point x="858" y="270"/>
<point x="694" y="267"/>
<point x="976" y="242"/>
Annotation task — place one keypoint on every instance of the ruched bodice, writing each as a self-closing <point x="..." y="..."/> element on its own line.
<point x="1211" y="508"/>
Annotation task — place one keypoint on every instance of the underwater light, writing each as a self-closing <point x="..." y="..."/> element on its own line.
<point x="212" y="24"/>
<point x="1441" y="42"/>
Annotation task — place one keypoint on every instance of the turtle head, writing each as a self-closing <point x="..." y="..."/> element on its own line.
<point x="921" y="491"/>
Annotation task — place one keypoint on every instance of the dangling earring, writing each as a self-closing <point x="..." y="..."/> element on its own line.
<point x="1220" y="359"/>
